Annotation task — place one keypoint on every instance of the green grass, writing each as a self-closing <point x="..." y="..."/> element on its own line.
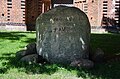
<point x="10" y="68"/>
<point x="109" y="43"/>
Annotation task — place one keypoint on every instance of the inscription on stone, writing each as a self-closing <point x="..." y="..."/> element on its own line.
<point x="63" y="35"/>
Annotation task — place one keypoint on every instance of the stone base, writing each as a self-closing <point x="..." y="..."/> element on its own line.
<point x="98" y="29"/>
<point x="30" y="55"/>
<point x="13" y="28"/>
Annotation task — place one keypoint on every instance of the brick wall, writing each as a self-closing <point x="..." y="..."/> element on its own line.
<point x="26" y="11"/>
<point x="111" y="12"/>
<point x="95" y="12"/>
<point x="3" y="11"/>
<point x="17" y="12"/>
<point x="95" y="9"/>
<point x="11" y="11"/>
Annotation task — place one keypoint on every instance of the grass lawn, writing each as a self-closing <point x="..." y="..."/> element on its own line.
<point x="11" y="42"/>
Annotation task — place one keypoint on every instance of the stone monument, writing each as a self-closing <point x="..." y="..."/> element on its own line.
<point x="63" y="35"/>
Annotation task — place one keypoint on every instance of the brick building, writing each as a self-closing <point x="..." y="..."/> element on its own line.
<point x="100" y="12"/>
<point x="111" y="12"/>
<point x="22" y="14"/>
<point x="33" y="9"/>
<point x="12" y="13"/>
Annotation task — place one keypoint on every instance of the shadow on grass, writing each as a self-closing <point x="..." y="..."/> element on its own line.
<point x="30" y="40"/>
<point x="108" y="42"/>
<point x="11" y="35"/>
<point x="102" y="71"/>
<point x="17" y="36"/>
<point x="30" y="68"/>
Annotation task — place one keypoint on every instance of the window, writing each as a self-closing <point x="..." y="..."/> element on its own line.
<point x="85" y="9"/>
<point x="104" y="10"/>
<point x="9" y="3"/>
<point x="8" y="19"/>
<point x="8" y="16"/>
<point x="2" y="14"/>
<point x="104" y="14"/>
<point x="104" y="4"/>
<point x="9" y="0"/>
<point x="84" y="1"/>
<point x="117" y="4"/>
<point x="92" y="1"/>
<point x="104" y="7"/>
<point x="22" y="1"/>
<point x="104" y="1"/>
<point x="9" y="7"/>
<point x="117" y="1"/>
<point x="8" y="10"/>
<point x="116" y="16"/>
<point x="8" y="13"/>
<point x="91" y="18"/>
<point x="22" y="7"/>
<point x="22" y="4"/>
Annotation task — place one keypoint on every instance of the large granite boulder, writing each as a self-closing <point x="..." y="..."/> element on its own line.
<point x="63" y="35"/>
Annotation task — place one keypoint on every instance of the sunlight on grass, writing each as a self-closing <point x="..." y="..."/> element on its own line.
<point x="10" y="68"/>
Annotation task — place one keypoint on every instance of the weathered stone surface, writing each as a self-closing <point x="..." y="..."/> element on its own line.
<point x="63" y="35"/>
<point x="20" y="54"/>
<point x="31" y="49"/>
<point x="33" y="58"/>
<point x="83" y="63"/>
<point x="98" y="56"/>
<point x="30" y="58"/>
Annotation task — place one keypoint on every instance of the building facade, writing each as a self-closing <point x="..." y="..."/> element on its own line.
<point x="22" y="14"/>
<point x="12" y="13"/>
<point x="33" y="9"/>
<point x="100" y="12"/>
<point x="111" y="12"/>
